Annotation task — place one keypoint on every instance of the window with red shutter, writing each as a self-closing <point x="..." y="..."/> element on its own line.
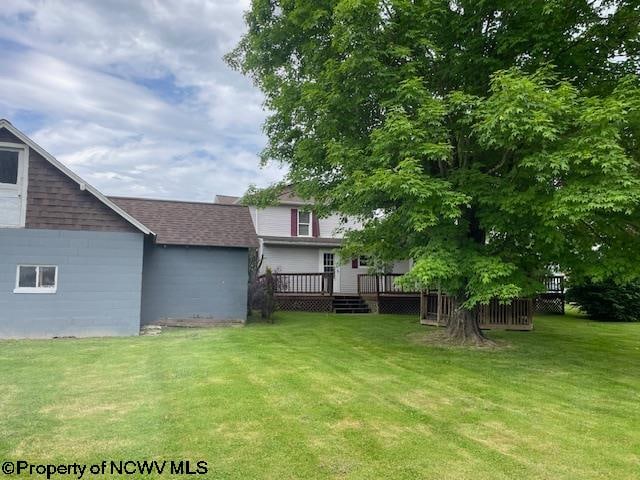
<point x="294" y="222"/>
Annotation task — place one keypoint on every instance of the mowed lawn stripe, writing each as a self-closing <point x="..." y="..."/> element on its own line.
<point x="329" y="396"/>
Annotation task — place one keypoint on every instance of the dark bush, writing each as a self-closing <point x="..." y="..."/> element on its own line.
<point x="607" y="301"/>
<point x="261" y="291"/>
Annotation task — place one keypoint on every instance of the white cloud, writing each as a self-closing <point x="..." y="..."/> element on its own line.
<point x="135" y="96"/>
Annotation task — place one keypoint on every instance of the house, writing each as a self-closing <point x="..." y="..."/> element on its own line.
<point x="303" y="251"/>
<point x="74" y="262"/>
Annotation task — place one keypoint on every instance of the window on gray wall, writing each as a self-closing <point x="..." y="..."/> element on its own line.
<point x="36" y="279"/>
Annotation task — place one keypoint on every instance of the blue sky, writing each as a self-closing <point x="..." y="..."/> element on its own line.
<point x="135" y="96"/>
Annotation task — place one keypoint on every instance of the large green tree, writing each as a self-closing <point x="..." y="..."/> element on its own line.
<point x="487" y="140"/>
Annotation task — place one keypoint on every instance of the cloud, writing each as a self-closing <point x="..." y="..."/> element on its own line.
<point x="134" y="96"/>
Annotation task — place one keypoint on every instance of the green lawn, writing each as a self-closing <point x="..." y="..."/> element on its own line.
<point x="318" y="396"/>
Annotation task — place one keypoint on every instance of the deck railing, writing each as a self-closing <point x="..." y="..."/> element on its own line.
<point x="554" y="283"/>
<point x="304" y="283"/>
<point x="384" y="284"/>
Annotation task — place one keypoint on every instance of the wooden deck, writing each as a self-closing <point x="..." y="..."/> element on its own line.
<point x="314" y="292"/>
<point x="383" y="295"/>
<point x="304" y="292"/>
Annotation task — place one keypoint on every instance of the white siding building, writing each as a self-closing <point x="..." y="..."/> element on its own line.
<point x="292" y="240"/>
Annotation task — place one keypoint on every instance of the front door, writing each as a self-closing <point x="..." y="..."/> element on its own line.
<point x="12" y="180"/>
<point x="328" y="265"/>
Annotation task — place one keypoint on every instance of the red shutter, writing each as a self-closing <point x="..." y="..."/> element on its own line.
<point x="315" y="225"/>
<point x="354" y="263"/>
<point x="294" y="222"/>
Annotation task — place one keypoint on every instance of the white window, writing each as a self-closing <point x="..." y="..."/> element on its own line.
<point x="36" y="279"/>
<point x="304" y="224"/>
<point x="363" y="261"/>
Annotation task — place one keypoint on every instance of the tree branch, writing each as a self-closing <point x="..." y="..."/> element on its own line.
<point x="505" y="156"/>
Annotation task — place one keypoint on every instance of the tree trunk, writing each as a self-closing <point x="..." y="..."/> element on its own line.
<point x="463" y="329"/>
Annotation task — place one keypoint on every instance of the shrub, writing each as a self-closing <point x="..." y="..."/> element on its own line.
<point x="262" y="293"/>
<point x="607" y="301"/>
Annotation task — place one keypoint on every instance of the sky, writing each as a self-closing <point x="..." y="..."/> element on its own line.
<point x="134" y="95"/>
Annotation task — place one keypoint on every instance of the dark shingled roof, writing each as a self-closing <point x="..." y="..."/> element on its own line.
<point x="193" y="223"/>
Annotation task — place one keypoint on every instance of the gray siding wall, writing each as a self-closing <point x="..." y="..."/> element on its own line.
<point x="99" y="283"/>
<point x="194" y="282"/>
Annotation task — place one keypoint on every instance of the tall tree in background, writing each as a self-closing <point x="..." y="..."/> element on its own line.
<point x="487" y="140"/>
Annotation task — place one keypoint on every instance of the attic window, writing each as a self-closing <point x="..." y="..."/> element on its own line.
<point x="9" y="167"/>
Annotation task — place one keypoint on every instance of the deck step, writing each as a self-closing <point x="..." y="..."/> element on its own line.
<point x="349" y="304"/>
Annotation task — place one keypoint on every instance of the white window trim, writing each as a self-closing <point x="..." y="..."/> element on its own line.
<point x="19" y="289"/>
<point x="23" y="175"/>
<point x="310" y="234"/>
<point x="360" y="265"/>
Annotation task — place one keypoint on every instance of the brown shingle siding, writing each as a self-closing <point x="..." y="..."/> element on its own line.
<point x="54" y="201"/>
<point x="7" y="136"/>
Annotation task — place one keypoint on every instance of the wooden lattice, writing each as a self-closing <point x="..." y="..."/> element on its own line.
<point x="399" y="305"/>
<point x="550" y="303"/>
<point x="305" y="303"/>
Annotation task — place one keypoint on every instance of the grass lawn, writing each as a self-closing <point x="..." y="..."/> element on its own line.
<point x="326" y="396"/>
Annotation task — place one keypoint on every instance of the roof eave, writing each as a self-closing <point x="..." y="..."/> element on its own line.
<point x="208" y="245"/>
<point x="301" y="243"/>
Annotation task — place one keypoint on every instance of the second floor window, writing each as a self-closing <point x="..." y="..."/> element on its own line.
<point x="304" y="224"/>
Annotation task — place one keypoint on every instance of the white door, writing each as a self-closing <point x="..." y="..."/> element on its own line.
<point x="328" y="265"/>
<point x="12" y="186"/>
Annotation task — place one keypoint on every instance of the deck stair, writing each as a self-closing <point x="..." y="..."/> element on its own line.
<point x="349" y="304"/>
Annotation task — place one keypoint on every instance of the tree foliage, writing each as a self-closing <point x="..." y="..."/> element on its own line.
<point x="486" y="140"/>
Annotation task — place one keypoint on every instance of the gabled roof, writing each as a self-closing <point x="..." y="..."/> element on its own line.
<point x="227" y="199"/>
<point x="83" y="185"/>
<point x="193" y="223"/>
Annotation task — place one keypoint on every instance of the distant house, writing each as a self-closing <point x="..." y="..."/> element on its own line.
<point x="302" y="248"/>
<point x="76" y="263"/>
